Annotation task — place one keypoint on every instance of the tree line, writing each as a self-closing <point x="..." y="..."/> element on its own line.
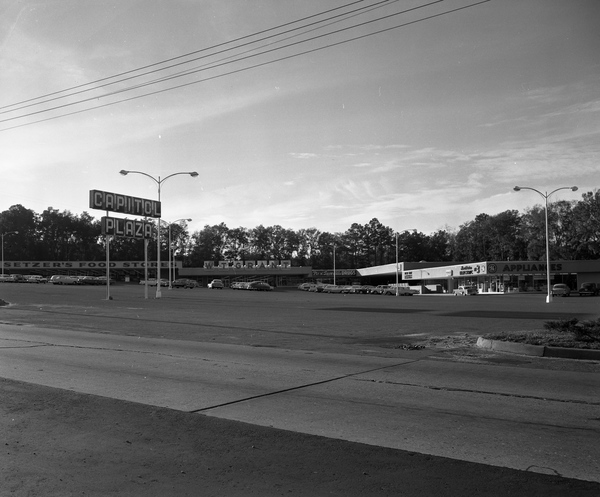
<point x="574" y="234"/>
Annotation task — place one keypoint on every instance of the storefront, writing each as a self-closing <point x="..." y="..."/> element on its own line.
<point x="276" y="273"/>
<point x="506" y="276"/>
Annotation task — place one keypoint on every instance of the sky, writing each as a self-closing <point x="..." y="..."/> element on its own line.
<point x="420" y="119"/>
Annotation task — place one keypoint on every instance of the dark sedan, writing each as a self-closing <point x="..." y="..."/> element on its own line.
<point x="184" y="283"/>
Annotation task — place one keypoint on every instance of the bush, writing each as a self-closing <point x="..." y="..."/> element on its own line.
<point x="585" y="331"/>
<point x="563" y="325"/>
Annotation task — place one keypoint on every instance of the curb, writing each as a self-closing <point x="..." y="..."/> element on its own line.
<point x="538" y="350"/>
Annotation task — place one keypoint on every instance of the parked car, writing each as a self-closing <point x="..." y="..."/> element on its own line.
<point x="36" y="278"/>
<point x="61" y="279"/>
<point x="402" y="290"/>
<point x="152" y="282"/>
<point x="357" y="289"/>
<point x="378" y="290"/>
<point x="336" y="289"/>
<point x="465" y="290"/>
<point x="561" y="290"/>
<point x="260" y="286"/>
<point x="184" y="283"/>
<point x="90" y="280"/>
<point x="216" y="284"/>
<point x="305" y="286"/>
<point x="589" y="288"/>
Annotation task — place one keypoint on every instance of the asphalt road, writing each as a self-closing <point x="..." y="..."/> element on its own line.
<point x="339" y="366"/>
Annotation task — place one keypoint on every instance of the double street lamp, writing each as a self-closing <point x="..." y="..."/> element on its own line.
<point x="3" y="235"/>
<point x="546" y="195"/>
<point x="397" y="267"/>
<point x="159" y="182"/>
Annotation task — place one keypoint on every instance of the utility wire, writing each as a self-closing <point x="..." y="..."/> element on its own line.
<point x="180" y="56"/>
<point x="344" y="17"/>
<point x="31" y="102"/>
<point x="233" y="71"/>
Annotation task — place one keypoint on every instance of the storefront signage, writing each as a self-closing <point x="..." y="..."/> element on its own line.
<point x="124" y="204"/>
<point x="522" y="267"/>
<point x="471" y="269"/>
<point x="85" y="264"/>
<point x="129" y="228"/>
<point x="248" y="265"/>
<point x="330" y="272"/>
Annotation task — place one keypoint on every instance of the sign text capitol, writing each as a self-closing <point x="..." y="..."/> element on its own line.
<point x="115" y="202"/>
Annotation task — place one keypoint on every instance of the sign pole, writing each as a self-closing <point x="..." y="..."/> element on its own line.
<point x="108" y="297"/>
<point x="145" y="268"/>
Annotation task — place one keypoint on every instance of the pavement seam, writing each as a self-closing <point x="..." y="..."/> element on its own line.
<point x="486" y="392"/>
<point x="298" y="387"/>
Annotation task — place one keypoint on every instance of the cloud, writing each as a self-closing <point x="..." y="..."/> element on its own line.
<point x="303" y="155"/>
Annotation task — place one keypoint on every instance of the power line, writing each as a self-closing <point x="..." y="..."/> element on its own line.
<point x="243" y="69"/>
<point x="215" y="65"/>
<point x="176" y="58"/>
<point x="345" y="15"/>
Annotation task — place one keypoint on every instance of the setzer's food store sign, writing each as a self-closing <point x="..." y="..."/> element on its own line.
<point x="60" y="265"/>
<point x="124" y="204"/>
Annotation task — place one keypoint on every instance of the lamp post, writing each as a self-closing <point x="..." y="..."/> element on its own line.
<point x="159" y="182"/>
<point x="397" y="270"/>
<point x="546" y="195"/>
<point x="170" y="259"/>
<point x="3" y="235"/>
<point x="334" y="264"/>
<point x="397" y="291"/>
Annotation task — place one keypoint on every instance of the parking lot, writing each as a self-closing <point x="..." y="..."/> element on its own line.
<point x="288" y="318"/>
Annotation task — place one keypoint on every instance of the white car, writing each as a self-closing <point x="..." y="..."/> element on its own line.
<point x="60" y="279"/>
<point x="465" y="290"/>
<point x="216" y="284"/>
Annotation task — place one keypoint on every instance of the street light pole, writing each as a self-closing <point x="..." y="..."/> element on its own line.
<point x="334" y="264"/>
<point x="170" y="259"/>
<point x="3" y="234"/>
<point x="397" y="269"/>
<point x="545" y="196"/>
<point x="397" y="290"/>
<point x="159" y="182"/>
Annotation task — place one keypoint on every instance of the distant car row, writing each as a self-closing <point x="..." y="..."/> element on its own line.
<point x="586" y="289"/>
<point x="251" y="285"/>
<point x="19" y="278"/>
<point x="364" y="289"/>
<point x="179" y="283"/>
<point x="60" y="279"/>
<point x="57" y="279"/>
<point x="241" y="285"/>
